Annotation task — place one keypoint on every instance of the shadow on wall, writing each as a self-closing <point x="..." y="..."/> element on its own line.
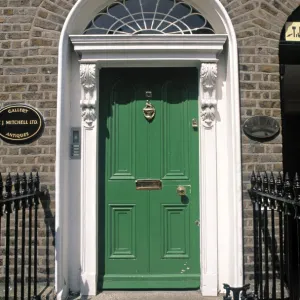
<point x="49" y="220"/>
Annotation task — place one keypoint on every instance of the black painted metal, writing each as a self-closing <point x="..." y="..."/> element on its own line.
<point x="8" y="211"/>
<point x="1" y="207"/>
<point x="24" y="194"/>
<point x="260" y="240"/>
<point x="276" y="232"/>
<point x="24" y="206"/>
<point x="255" y="239"/>
<point x="36" y="205"/>
<point x="30" y="190"/>
<point x="238" y="293"/>
<point x="266" y="234"/>
<point x="16" y="209"/>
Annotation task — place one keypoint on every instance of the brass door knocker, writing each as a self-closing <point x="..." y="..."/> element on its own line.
<point x="149" y="109"/>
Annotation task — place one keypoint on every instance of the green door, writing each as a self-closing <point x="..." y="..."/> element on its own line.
<point x="148" y="238"/>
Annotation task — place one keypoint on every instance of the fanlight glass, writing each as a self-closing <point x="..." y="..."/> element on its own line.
<point x="149" y="17"/>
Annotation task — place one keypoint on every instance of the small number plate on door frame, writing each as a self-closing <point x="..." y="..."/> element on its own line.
<point x="148" y="184"/>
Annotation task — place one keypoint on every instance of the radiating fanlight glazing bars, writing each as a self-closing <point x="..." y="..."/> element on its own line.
<point x="132" y="17"/>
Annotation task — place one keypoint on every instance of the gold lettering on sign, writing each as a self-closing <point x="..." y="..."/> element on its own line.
<point x="20" y="123"/>
<point x="17" y="135"/>
<point x="292" y="31"/>
<point x="13" y="110"/>
<point x="17" y="122"/>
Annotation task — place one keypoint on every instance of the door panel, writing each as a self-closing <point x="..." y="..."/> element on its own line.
<point x="126" y="222"/>
<point x="174" y="239"/>
<point x="175" y="142"/>
<point x="122" y="231"/>
<point x="151" y="240"/>
<point x="122" y="126"/>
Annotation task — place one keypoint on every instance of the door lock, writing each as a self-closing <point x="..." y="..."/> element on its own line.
<point x="181" y="191"/>
<point x="195" y="123"/>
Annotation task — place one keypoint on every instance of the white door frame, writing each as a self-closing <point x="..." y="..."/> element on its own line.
<point x="219" y="150"/>
<point x="148" y="51"/>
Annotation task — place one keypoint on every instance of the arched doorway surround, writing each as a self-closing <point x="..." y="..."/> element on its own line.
<point x="220" y="165"/>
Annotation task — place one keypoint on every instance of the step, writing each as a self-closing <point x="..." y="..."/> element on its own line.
<point x="147" y="295"/>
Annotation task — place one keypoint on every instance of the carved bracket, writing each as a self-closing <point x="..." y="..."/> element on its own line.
<point x="208" y="76"/>
<point x="89" y="94"/>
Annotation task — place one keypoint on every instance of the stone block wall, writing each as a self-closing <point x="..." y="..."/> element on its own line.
<point x="29" y="37"/>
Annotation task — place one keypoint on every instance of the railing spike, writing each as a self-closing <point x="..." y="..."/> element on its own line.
<point x="297" y="187"/>
<point x="24" y="184"/>
<point x="253" y="181"/>
<point x="272" y="184"/>
<point x="30" y="183"/>
<point x="259" y="182"/>
<point x="279" y="185"/>
<point x="288" y="187"/>
<point x="24" y="189"/>
<point x="265" y="183"/>
<point x="17" y="185"/>
<point x="8" y="187"/>
<point x="30" y="190"/>
<point x="37" y="182"/>
<point x="8" y="194"/>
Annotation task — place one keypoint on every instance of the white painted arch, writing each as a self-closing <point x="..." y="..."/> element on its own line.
<point x="227" y="220"/>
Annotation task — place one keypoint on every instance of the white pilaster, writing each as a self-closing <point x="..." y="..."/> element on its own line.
<point x="208" y="180"/>
<point x="89" y="98"/>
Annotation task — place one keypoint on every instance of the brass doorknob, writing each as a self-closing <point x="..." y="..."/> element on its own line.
<point x="181" y="191"/>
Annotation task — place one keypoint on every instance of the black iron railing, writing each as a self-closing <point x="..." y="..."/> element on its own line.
<point x="19" y="200"/>
<point x="276" y="236"/>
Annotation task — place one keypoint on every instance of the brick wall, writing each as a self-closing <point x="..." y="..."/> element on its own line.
<point x="258" y="25"/>
<point x="29" y="36"/>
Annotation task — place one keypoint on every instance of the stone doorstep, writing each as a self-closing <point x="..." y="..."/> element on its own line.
<point x="49" y="294"/>
<point x="147" y="295"/>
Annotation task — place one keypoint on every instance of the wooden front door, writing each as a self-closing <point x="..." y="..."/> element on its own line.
<point x="148" y="238"/>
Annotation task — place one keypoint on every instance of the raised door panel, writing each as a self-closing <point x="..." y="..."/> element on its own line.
<point x="175" y="132"/>
<point x="125" y="220"/>
<point x="122" y="220"/>
<point x="174" y="236"/>
<point x="122" y="131"/>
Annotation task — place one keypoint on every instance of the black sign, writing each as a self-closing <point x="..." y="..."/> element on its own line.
<point x="20" y="124"/>
<point x="261" y="128"/>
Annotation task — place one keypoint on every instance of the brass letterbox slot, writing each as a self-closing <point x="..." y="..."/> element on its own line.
<point x="148" y="184"/>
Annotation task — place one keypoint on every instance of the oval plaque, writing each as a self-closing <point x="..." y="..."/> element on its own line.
<point x="20" y="124"/>
<point x="261" y="127"/>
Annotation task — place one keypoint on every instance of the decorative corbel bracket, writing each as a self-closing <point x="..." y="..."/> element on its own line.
<point x="89" y="94"/>
<point x="208" y="77"/>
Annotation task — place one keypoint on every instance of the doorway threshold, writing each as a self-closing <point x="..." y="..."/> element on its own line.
<point x="147" y="295"/>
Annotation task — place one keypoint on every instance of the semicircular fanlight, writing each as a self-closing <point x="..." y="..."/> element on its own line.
<point x="149" y="17"/>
